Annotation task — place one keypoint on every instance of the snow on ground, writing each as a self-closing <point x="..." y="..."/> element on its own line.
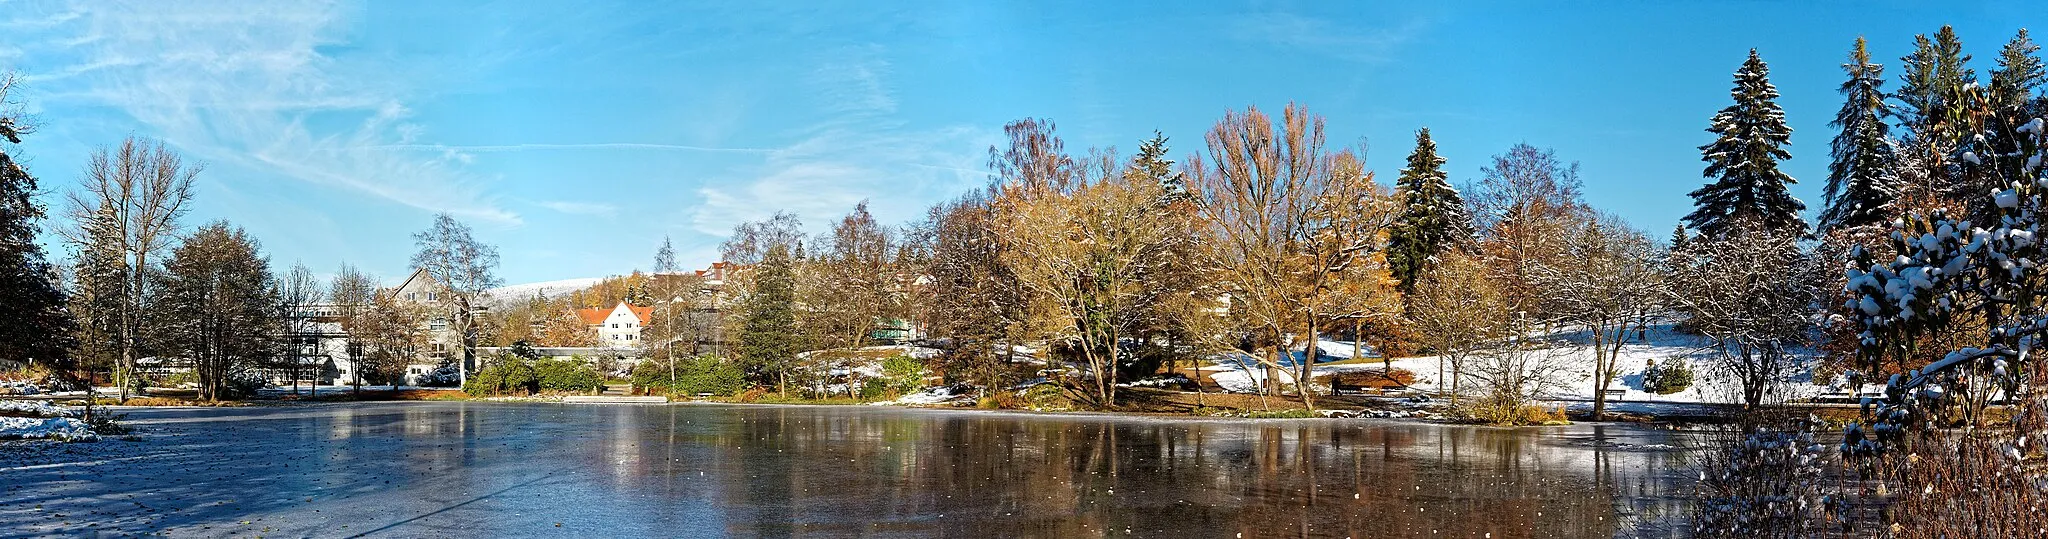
<point x="35" y="408"/>
<point x="331" y="389"/>
<point x="36" y="420"/>
<point x="1237" y="372"/>
<point x="19" y="388"/>
<point x="929" y="396"/>
<point x="524" y="291"/>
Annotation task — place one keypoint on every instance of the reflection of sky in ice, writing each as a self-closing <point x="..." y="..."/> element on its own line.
<point x="469" y="469"/>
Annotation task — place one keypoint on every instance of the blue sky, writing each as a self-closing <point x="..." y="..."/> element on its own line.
<point x="575" y="137"/>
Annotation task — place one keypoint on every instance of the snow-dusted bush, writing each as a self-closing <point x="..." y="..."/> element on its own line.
<point x="1671" y="376"/>
<point x="1770" y="483"/>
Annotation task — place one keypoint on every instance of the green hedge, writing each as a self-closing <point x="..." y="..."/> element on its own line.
<point x="521" y="376"/>
<point x="692" y="376"/>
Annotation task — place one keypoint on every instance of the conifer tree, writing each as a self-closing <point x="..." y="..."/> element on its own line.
<point x="1151" y="162"/>
<point x="1934" y="74"/>
<point x="768" y="333"/>
<point x="2019" y="73"/>
<point x="1432" y="217"/>
<point x="1748" y="189"/>
<point x="1679" y="238"/>
<point x="1862" y="184"/>
<point x="665" y="258"/>
<point x="33" y="324"/>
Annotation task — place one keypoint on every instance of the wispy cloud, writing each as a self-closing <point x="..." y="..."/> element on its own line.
<point x="568" y="147"/>
<point x="856" y="151"/>
<point x="579" y="208"/>
<point x="1321" y="36"/>
<point x="257" y="86"/>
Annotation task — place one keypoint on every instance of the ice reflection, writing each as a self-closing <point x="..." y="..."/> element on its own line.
<point x="477" y="469"/>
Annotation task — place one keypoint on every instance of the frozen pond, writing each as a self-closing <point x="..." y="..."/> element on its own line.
<point x="453" y="469"/>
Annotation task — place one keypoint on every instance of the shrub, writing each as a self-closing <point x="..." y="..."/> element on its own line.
<point x="904" y="374"/>
<point x="1671" y="376"/>
<point x="1508" y="411"/>
<point x="444" y="376"/>
<point x="508" y="374"/>
<point x="873" y="388"/>
<point x="569" y="375"/>
<point x="182" y="379"/>
<point x="1047" y="397"/>
<point x="242" y="385"/>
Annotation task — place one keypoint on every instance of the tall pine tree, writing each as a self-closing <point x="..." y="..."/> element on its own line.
<point x="1748" y="190"/>
<point x="1935" y="73"/>
<point x="1432" y="217"/>
<point x="768" y="332"/>
<point x="33" y="322"/>
<point x="2019" y="73"/>
<point x="1862" y="184"/>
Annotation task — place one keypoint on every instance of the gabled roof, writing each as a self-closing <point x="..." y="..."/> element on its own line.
<point x="645" y="314"/>
<point x="596" y="316"/>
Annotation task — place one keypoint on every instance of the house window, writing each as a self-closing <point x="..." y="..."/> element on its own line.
<point x="615" y="325"/>
<point x="408" y="296"/>
<point x="437" y="324"/>
<point x="440" y="347"/>
<point x="431" y="296"/>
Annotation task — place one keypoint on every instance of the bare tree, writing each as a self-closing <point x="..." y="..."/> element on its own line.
<point x="355" y="295"/>
<point x="1754" y="295"/>
<point x="852" y="283"/>
<point x="750" y="241"/>
<point x="298" y="293"/>
<point x="1289" y="223"/>
<point x="392" y="333"/>
<point x="1506" y="379"/>
<point x="973" y="301"/>
<point x="466" y="269"/>
<point x="135" y="192"/>
<point x="1083" y="252"/>
<point x="1607" y="281"/>
<point x="1456" y="311"/>
<point x="1526" y="201"/>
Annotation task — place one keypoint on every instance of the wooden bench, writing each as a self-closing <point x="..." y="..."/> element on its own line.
<point x="1615" y="393"/>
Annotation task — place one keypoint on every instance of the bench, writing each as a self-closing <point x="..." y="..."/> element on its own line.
<point x="1615" y="393"/>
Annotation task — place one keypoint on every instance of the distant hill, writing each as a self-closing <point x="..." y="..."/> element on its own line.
<point x="519" y="292"/>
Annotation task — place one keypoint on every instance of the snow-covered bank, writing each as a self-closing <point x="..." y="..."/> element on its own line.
<point x="1243" y="374"/>
<point x="38" y="420"/>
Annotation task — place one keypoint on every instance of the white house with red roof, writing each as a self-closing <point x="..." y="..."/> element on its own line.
<point x="618" y="326"/>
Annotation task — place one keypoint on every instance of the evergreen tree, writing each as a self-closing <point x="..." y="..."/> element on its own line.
<point x="1432" y="214"/>
<point x="1151" y="162"/>
<point x="665" y="258"/>
<point x="99" y="275"/>
<point x="33" y="324"/>
<point x="2019" y="73"/>
<point x="768" y="333"/>
<point x="1935" y="73"/>
<point x="1862" y="184"/>
<point x="1748" y="190"/>
<point x="1679" y="239"/>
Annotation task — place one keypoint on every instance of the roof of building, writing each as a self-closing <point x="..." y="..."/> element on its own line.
<point x="595" y="316"/>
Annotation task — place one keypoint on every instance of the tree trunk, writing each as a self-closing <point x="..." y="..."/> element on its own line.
<point x="1310" y="350"/>
<point x="1601" y="361"/>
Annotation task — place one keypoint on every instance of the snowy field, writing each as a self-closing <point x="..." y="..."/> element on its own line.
<point x="1243" y="374"/>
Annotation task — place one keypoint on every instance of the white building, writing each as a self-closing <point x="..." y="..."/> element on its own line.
<point x="619" y="326"/>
